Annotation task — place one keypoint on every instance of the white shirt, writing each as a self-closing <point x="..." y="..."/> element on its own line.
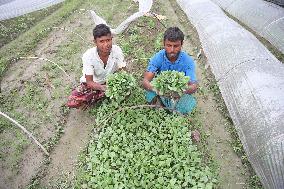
<point x="93" y="65"/>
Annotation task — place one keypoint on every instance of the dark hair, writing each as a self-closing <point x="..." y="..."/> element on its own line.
<point x="173" y="34"/>
<point x="101" y="30"/>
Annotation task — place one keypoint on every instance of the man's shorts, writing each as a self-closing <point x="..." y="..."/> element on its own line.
<point x="184" y="105"/>
<point x="83" y="95"/>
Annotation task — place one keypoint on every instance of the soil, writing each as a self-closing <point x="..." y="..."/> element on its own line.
<point x="64" y="157"/>
<point x="78" y="124"/>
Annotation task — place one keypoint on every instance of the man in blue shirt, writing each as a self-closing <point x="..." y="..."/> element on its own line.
<point x="172" y="58"/>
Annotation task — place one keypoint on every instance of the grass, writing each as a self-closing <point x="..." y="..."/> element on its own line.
<point x="30" y="39"/>
<point x="12" y="28"/>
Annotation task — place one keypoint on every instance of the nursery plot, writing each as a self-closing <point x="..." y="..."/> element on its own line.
<point x="148" y="149"/>
<point x="34" y="93"/>
<point x="219" y="139"/>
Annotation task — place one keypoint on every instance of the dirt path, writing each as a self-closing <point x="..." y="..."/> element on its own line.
<point x="231" y="169"/>
<point x="64" y="157"/>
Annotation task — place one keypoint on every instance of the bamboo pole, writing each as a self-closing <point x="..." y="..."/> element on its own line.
<point x="26" y="131"/>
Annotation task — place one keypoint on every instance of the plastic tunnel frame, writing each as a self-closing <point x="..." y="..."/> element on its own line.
<point x="265" y="18"/>
<point x="10" y="9"/>
<point x="251" y="81"/>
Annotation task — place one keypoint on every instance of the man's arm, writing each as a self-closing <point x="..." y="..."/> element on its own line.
<point x="94" y="85"/>
<point x="120" y="59"/>
<point x="148" y="76"/>
<point x="192" y="84"/>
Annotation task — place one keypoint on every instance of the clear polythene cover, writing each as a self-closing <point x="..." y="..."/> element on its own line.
<point x="144" y="7"/>
<point x="265" y="18"/>
<point x="14" y="8"/>
<point x="251" y="81"/>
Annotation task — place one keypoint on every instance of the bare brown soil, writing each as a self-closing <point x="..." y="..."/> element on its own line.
<point x="64" y="157"/>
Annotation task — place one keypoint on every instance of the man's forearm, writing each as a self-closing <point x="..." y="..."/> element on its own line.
<point x="96" y="86"/>
<point x="147" y="85"/>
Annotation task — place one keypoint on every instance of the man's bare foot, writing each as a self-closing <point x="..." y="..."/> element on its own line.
<point x="83" y="107"/>
<point x="195" y="136"/>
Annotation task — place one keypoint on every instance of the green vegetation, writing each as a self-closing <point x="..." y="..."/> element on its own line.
<point x="10" y="29"/>
<point x="137" y="147"/>
<point x="29" y="40"/>
<point x="163" y="148"/>
<point x="170" y="82"/>
<point x="120" y="85"/>
<point x="38" y="100"/>
<point x="147" y="149"/>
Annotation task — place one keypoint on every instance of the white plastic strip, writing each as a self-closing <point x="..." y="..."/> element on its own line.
<point x="251" y="81"/>
<point x="144" y="7"/>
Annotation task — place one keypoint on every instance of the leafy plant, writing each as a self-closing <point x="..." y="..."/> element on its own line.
<point x="120" y="85"/>
<point x="146" y="149"/>
<point x="168" y="83"/>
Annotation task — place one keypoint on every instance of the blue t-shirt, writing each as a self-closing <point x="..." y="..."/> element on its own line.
<point x="184" y="63"/>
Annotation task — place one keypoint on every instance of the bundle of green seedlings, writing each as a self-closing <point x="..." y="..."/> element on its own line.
<point x="120" y="85"/>
<point x="145" y="148"/>
<point x="170" y="83"/>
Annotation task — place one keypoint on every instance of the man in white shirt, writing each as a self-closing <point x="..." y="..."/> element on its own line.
<point x="98" y="62"/>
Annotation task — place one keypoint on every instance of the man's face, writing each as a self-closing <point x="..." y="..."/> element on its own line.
<point x="104" y="43"/>
<point x="172" y="48"/>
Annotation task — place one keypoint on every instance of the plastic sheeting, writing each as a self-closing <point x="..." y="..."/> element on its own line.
<point x="251" y="81"/>
<point x="144" y="7"/>
<point x="278" y="2"/>
<point x="265" y="18"/>
<point x="2" y="2"/>
<point x="14" y="8"/>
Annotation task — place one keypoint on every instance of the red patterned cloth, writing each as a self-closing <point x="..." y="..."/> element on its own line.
<point x="83" y="95"/>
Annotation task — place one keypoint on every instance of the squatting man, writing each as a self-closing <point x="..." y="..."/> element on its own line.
<point x="98" y="62"/>
<point x="172" y="58"/>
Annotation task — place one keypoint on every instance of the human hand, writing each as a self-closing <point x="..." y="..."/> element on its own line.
<point x="102" y="88"/>
<point x="192" y="87"/>
<point x="195" y="136"/>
